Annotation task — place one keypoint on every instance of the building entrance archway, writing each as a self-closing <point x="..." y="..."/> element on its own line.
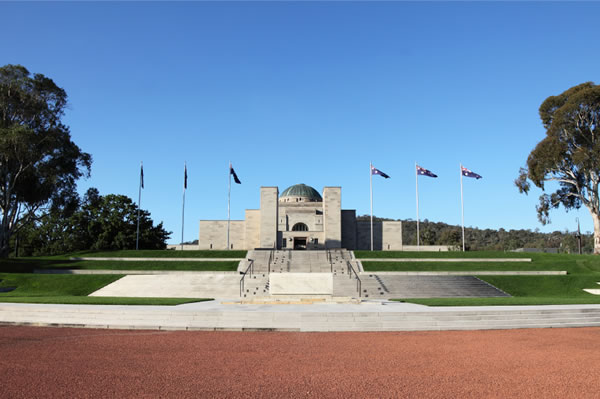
<point x="299" y="242"/>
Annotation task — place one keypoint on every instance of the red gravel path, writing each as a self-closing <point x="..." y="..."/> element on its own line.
<point x="74" y="363"/>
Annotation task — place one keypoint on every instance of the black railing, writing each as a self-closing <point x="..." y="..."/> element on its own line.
<point x="328" y="251"/>
<point x="358" y="282"/>
<point x="250" y="271"/>
<point x="270" y="260"/>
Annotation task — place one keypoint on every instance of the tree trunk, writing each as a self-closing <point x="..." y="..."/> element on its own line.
<point x="596" y="218"/>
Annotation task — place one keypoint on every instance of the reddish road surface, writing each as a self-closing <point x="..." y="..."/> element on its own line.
<point x="76" y="363"/>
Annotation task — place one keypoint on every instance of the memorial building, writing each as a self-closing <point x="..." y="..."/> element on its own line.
<point x="300" y="218"/>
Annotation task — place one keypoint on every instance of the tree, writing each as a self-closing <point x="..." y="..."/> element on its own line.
<point x="98" y="223"/>
<point x="569" y="154"/>
<point x="39" y="163"/>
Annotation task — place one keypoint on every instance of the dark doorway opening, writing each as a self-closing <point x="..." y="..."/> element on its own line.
<point x="299" y="242"/>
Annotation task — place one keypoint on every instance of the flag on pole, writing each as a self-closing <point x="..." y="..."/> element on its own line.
<point x="467" y="173"/>
<point x="142" y="175"/>
<point x="235" y="178"/>
<point x="375" y="171"/>
<point x="184" y="176"/>
<point x="424" y="172"/>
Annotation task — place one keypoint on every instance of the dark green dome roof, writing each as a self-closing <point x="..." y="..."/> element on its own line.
<point x="302" y="190"/>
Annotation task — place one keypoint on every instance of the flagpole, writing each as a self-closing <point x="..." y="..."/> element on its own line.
<point x="371" y="190"/>
<point x="228" y="204"/>
<point x="183" y="205"/>
<point x="462" y="209"/>
<point x="417" y="190"/>
<point x="137" y="237"/>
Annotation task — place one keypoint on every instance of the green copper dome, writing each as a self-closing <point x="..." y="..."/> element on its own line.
<point x="304" y="191"/>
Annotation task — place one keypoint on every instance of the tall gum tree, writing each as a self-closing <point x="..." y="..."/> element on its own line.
<point x="39" y="163"/>
<point x="569" y="155"/>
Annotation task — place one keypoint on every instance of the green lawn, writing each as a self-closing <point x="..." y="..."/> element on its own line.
<point x="28" y="265"/>
<point x="583" y="271"/>
<point x="61" y="288"/>
<point x="158" y="254"/>
<point x="230" y="265"/>
<point x="449" y="254"/>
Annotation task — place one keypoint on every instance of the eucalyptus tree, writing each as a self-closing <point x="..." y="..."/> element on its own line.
<point x="568" y="155"/>
<point x="39" y="163"/>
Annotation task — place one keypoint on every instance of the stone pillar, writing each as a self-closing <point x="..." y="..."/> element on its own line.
<point x="268" y="216"/>
<point x="332" y="216"/>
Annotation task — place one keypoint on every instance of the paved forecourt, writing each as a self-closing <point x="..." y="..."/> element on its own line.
<point x="375" y="315"/>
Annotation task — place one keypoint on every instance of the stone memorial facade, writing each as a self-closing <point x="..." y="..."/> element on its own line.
<point x="300" y="218"/>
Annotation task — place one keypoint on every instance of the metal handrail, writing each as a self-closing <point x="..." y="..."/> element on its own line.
<point x="270" y="259"/>
<point x="358" y="282"/>
<point x="249" y="270"/>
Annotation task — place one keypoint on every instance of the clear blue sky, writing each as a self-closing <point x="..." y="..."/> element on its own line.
<point x="310" y="92"/>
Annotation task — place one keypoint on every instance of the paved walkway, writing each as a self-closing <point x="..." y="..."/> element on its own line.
<point x="367" y="316"/>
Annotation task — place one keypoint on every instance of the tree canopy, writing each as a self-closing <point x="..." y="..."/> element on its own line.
<point x="39" y="163"/>
<point x="568" y="155"/>
<point x="95" y="222"/>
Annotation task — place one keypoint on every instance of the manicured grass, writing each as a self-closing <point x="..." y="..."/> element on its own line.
<point x="157" y="254"/>
<point x="583" y="271"/>
<point x="150" y="265"/>
<point x="371" y="266"/>
<point x="449" y="254"/>
<point x="528" y="290"/>
<point x="573" y="264"/>
<point x="47" y="285"/>
<point x="27" y="265"/>
<point x="512" y="301"/>
<point x="87" y="300"/>
<point x="61" y="288"/>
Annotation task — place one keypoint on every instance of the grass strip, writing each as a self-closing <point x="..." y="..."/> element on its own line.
<point x="72" y="289"/>
<point x="449" y="254"/>
<point x="527" y="290"/>
<point x="157" y="254"/>
<point x="27" y="265"/>
<point x="51" y="285"/>
<point x="514" y="301"/>
<point x="90" y="300"/>
<point x="373" y="266"/>
<point x="150" y="265"/>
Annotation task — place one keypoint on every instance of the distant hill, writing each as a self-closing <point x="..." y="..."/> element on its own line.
<point x="439" y="233"/>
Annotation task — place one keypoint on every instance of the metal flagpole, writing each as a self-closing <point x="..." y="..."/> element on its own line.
<point x="462" y="208"/>
<point x="183" y="205"/>
<point x="137" y="237"/>
<point x="371" y="190"/>
<point x="417" y="189"/>
<point x="229" y="205"/>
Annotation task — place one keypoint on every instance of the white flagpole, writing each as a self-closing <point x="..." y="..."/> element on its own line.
<point x="229" y="205"/>
<point x="137" y="236"/>
<point x="183" y="206"/>
<point x="371" y="187"/>
<point x="462" y="208"/>
<point x="417" y="189"/>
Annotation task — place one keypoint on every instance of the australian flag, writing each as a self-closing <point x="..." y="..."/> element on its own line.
<point x="375" y="171"/>
<point x="466" y="172"/>
<point x="425" y="172"/>
<point x="185" y="177"/>
<point x="235" y="178"/>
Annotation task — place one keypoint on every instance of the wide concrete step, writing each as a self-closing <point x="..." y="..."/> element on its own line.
<point x="176" y="318"/>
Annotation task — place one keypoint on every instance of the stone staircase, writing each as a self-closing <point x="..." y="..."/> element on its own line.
<point x="346" y="272"/>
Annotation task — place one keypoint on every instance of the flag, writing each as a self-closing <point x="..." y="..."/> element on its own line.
<point x="142" y="175"/>
<point x="235" y="178"/>
<point x="466" y="172"/>
<point x="184" y="176"/>
<point x="425" y="172"/>
<point x="375" y="171"/>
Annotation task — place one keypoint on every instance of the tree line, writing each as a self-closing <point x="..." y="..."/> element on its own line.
<point x="439" y="233"/>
